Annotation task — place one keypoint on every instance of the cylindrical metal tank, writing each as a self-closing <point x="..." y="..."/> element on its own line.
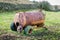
<point x="29" y="18"/>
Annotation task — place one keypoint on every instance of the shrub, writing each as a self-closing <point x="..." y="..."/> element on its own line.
<point x="10" y="7"/>
<point x="45" y="5"/>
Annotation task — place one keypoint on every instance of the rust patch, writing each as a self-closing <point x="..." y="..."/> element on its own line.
<point x="38" y="22"/>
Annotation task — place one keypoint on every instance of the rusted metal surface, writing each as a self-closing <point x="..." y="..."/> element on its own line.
<point x="29" y="18"/>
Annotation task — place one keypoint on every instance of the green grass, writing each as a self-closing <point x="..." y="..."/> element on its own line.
<point x="5" y="19"/>
<point x="52" y="21"/>
<point x="52" y="17"/>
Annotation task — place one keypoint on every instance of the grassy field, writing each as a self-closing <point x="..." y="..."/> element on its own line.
<point x="52" y="22"/>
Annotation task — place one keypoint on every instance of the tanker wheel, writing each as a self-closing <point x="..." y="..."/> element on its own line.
<point x="28" y="30"/>
<point x="13" y="27"/>
<point x="40" y="25"/>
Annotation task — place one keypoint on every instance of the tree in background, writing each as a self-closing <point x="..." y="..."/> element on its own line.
<point x="56" y="8"/>
<point x="45" y="5"/>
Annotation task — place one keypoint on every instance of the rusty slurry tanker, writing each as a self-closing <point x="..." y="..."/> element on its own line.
<point x="26" y="20"/>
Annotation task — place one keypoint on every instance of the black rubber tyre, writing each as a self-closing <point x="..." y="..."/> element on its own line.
<point x="13" y="27"/>
<point x="28" y="30"/>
